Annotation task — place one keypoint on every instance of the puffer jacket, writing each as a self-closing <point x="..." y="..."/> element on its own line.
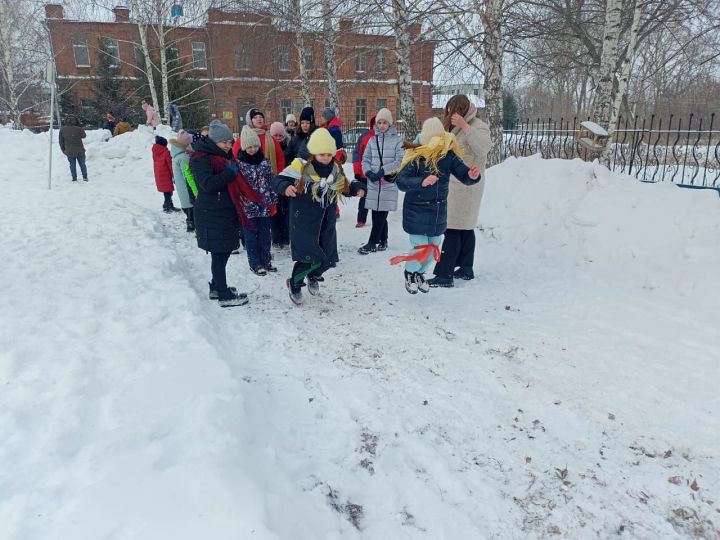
<point x="71" y="140"/>
<point x="464" y="201"/>
<point x="180" y="158"/>
<point x="425" y="208"/>
<point x="383" y="151"/>
<point x="162" y="165"/>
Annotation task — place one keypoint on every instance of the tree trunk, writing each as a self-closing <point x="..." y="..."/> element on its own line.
<point x="329" y="38"/>
<point x="142" y="30"/>
<point x="164" y="87"/>
<point x="621" y="93"/>
<point x="8" y="70"/>
<point x="492" y="59"/>
<point x="300" y="47"/>
<point x="401" y="28"/>
<point x="608" y="61"/>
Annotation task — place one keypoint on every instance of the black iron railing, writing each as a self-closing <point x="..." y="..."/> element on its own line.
<point x="652" y="150"/>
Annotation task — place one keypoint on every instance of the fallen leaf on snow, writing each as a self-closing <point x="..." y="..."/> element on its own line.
<point x="694" y="486"/>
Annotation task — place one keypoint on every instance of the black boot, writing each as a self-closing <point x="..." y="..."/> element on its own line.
<point x="228" y="298"/>
<point x="438" y="281"/>
<point x="189" y="222"/>
<point x="410" y="283"/>
<point x="213" y="294"/>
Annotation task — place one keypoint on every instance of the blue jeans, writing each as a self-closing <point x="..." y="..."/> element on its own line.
<point x="417" y="240"/>
<point x="73" y="169"/>
<point x="257" y="242"/>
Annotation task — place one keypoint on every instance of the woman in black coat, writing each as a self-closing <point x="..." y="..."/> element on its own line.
<point x="217" y="225"/>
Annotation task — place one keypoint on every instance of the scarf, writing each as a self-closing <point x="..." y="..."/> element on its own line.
<point x="269" y="148"/>
<point x="472" y="113"/>
<point x="324" y="183"/>
<point x="433" y="151"/>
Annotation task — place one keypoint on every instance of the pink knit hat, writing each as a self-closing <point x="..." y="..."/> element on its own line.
<point x="276" y="128"/>
<point x="184" y="138"/>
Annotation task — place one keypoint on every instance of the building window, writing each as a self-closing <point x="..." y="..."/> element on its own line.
<point x="284" y="58"/>
<point x="198" y="55"/>
<point x="360" y="60"/>
<point x="139" y="56"/>
<point x="242" y="56"/>
<point x="360" y="110"/>
<point x="381" y="61"/>
<point x="112" y="52"/>
<point x="381" y="104"/>
<point x="285" y="108"/>
<point x="300" y="105"/>
<point x="87" y="105"/>
<point x="82" y="55"/>
<point x="309" y="58"/>
<point x="327" y="102"/>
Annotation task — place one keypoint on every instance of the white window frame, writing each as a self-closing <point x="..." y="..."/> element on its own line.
<point x="112" y="43"/>
<point x="309" y="52"/>
<point x="242" y="53"/>
<point x="360" y="104"/>
<point x="381" y="53"/>
<point x="284" y="58"/>
<point x="361" y="57"/>
<point x="197" y="48"/>
<point x="77" y="46"/>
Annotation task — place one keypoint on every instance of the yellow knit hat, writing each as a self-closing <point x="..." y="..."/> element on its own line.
<point x="321" y="142"/>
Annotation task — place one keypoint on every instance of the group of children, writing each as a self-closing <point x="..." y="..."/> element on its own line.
<point x="235" y="187"/>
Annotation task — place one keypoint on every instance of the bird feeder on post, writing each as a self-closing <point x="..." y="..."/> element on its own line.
<point x="592" y="136"/>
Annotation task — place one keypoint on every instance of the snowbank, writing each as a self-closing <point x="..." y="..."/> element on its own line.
<point x="570" y="390"/>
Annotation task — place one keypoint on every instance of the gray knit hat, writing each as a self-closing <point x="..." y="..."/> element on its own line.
<point x="219" y="132"/>
<point x="328" y="114"/>
<point x="248" y="138"/>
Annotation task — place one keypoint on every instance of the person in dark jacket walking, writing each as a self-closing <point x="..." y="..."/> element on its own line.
<point x="162" y="166"/>
<point x="314" y="188"/>
<point x="258" y="174"/>
<point x="71" y="136"/>
<point x="298" y="144"/>
<point x="425" y="178"/>
<point x="217" y="223"/>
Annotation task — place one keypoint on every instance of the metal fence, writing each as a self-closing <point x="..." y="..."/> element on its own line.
<point x="652" y="150"/>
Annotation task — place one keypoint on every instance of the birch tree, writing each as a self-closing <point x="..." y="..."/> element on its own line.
<point x="329" y="40"/>
<point x="400" y="23"/>
<point x="622" y="84"/>
<point x="608" y="61"/>
<point x="297" y="20"/>
<point x="141" y="23"/>
<point x="21" y="59"/>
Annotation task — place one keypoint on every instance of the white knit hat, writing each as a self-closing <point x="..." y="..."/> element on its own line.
<point x="248" y="138"/>
<point x="290" y="118"/>
<point x="384" y="114"/>
<point x="432" y="127"/>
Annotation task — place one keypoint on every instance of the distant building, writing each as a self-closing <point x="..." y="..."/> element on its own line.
<point x="246" y="61"/>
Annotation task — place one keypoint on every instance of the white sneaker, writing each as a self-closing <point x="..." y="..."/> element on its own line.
<point x="411" y="285"/>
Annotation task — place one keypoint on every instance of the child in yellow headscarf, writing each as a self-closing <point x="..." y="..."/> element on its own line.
<point x="425" y="177"/>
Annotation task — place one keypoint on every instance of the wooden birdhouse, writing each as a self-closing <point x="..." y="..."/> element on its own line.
<point x="592" y="136"/>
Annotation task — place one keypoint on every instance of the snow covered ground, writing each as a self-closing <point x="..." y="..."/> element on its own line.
<point x="570" y="391"/>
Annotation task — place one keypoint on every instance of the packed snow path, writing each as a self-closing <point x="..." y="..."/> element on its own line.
<point x="569" y="391"/>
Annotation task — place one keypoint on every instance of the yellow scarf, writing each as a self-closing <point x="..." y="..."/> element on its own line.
<point x="432" y="152"/>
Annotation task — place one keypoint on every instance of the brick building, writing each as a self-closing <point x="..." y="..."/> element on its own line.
<point x="245" y="60"/>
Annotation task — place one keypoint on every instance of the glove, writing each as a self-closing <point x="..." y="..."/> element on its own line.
<point x="380" y="173"/>
<point x="372" y="176"/>
<point x="233" y="166"/>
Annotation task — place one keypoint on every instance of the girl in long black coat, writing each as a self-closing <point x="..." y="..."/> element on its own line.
<point x="217" y="224"/>
<point x="314" y="188"/>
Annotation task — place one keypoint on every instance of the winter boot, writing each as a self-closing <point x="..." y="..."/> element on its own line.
<point x="438" y="281"/>
<point x="228" y="298"/>
<point x="367" y="248"/>
<point x="314" y="285"/>
<point x="295" y="291"/>
<point x="269" y="267"/>
<point x="213" y="294"/>
<point x="462" y="273"/>
<point x="410" y="283"/>
<point x="359" y="224"/>
<point x="382" y="246"/>
<point x="423" y="286"/>
<point x="258" y="270"/>
<point x="189" y="219"/>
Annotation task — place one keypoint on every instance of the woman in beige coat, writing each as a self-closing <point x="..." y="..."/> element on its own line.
<point x="458" y="248"/>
